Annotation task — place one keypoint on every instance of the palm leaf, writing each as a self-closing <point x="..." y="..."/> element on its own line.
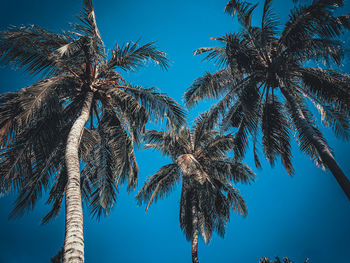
<point x="159" y="184"/>
<point x="130" y="56"/>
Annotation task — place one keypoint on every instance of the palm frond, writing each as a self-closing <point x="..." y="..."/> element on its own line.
<point x="328" y="86"/>
<point x="159" y="184"/>
<point x="121" y="146"/>
<point x="331" y="116"/>
<point x="236" y="199"/>
<point x="169" y="144"/>
<point x="240" y="172"/>
<point x="210" y="86"/>
<point x="130" y="56"/>
<point x="243" y="10"/>
<point x="101" y="171"/>
<point x="314" y="20"/>
<point x="305" y="126"/>
<point x="269" y="23"/>
<point x="88" y="27"/>
<point x="319" y="49"/>
<point x="204" y="123"/>
<point x="132" y="113"/>
<point x="275" y="131"/>
<point x="244" y="115"/>
<point x="219" y="146"/>
<point x="158" y="105"/>
<point x="216" y="54"/>
<point x="56" y="196"/>
<point x="30" y="48"/>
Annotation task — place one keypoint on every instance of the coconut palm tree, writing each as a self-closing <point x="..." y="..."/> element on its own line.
<point x="199" y="158"/>
<point x="268" y="78"/>
<point x="82" y="111"/>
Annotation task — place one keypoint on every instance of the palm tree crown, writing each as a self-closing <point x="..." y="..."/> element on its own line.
<point x="265" y="82"/>
<point x="199" y="158"/>
<point x="43" y="131"/>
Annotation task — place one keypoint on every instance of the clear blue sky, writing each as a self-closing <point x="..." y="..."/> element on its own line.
<point x="302" y="216"/>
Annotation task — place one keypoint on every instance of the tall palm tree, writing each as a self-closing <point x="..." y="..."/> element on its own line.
<point x="199" y="158"/>
<point x="81" y="112"/>
<point x="267" y="79"/>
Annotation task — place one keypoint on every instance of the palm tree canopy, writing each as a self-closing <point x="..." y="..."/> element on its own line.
<point x="198" y="157"/>
<point x="35" y="121"/>
<point x="266" y="79"/>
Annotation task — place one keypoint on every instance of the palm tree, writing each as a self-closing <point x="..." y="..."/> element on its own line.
<point x="81" y="112"/>
<point x="267" y="80"/>
<point x="199" y="158"/>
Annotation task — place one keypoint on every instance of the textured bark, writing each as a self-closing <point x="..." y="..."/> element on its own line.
<point x="195" y="233"/>
<point x="322" y="149"/>
<point x="74" y="238"/>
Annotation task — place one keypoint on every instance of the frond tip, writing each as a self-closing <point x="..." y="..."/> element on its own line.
<point x="130" y="56"/>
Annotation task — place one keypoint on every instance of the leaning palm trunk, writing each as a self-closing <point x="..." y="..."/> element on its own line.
<point x="322" y="149"/>
<point x="195" y="233"/>
<point x="74" y="238"/>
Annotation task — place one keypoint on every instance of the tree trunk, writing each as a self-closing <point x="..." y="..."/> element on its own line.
<point x="322" y="149"/>
<point x="195" y="233"/>
<point x="74" y="238"/>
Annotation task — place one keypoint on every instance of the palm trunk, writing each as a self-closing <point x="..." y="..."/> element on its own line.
<point x="195" y="233"/>
<point x="74" y="238"/>
<point x="322" y="149"/>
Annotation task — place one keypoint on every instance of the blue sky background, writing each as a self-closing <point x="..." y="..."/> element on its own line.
<point x="306" y="215"/>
